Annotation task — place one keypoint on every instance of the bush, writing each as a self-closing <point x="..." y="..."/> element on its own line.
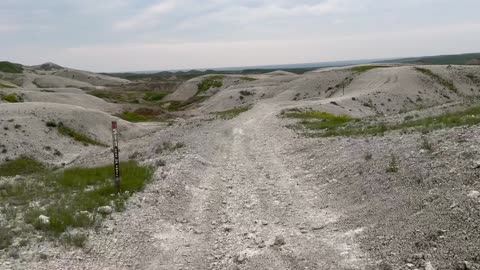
<point x="12" y="98"/>
<point x="393" y="165"/>
<point x="212" y="81"/>
<point x="51" y="124"/>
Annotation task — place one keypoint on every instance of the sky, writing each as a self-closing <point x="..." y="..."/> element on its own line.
<point x="137" y="35"/>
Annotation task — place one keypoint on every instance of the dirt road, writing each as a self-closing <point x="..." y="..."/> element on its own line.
<point x="236" y="199"/>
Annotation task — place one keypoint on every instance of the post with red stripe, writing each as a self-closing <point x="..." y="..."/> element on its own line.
<point x="116" y="159"/>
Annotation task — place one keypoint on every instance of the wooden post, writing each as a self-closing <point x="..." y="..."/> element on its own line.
<point x="116" y="159"/>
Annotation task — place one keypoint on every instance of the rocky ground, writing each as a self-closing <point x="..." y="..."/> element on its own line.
<point x="252" y="193"/>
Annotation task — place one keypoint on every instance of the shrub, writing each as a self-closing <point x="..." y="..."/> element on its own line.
<point x="426" y="144"/>
<point x="154" y="96"/>
<point x="230" y="114"/>
<point x="51" y="124"/>
<point x="12" y="98"/>
<point x="212" y="81"/>
<point x="392" y="165"/>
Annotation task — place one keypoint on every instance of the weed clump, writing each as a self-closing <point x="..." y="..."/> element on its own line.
<point x="212" y="81"/>
<point x="66" y="131"/>
<point x="392" y="165"/>
<point x="230" y="114"/>
<point x="11" y="98"/>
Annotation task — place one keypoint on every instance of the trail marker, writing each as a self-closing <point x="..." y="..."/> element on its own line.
<point x="116" y="159"/>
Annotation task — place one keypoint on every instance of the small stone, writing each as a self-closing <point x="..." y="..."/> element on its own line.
<point x="468" y="265"/>
<point x="410" y="265"/>
<point x="429" y="266"/>
<point x="44" y="220"/>
<point x="279" y="241"/>
<point x="105" y="210"/>
<point x="473" y="194"/>
<point x="240" y="258"/>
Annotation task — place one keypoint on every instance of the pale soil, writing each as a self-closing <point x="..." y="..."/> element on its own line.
<point x="250" y="193"/>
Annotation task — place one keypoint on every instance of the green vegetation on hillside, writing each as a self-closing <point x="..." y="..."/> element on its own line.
<point x="456" y="59"/>
<point x="347" y="127"/>
<point x="207" y="83"/>
<point x="20" y="166"/>
<point x="366" y="68"/>
<point x="2" y="85"/>
<point x="8" y="67"/>
<point x="320" y="120"/>
<point x="68" y="199"/>
<point x="69" y="132"/>
<point x="154" y="96"/>
<point x="230" y="114"/>
<point x="135" y="117"/>
<point x="12" y="98"/>
<point x="448" y="84"/>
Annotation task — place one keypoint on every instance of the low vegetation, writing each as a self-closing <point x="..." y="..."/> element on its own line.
<point x="8" y="67"/>
<point x="446" y="83"/>
<point x="392" y="165"/>
<point x="2" y="85"/>
<point x="230" y="114"/>
<point x="154" y="96"/>
<point x="20" y="166"/>
<point x="316" y="120"/>
<point x="69" y="132"/>
<point x="209" y="82"/>
<point x="11" y="98"/>
<point x="135" y="117"/>
<point x="366" y="68"/>
<point x="59" y="204"/>
<point x="182" y="105"/>
<point x="345" y="126"/>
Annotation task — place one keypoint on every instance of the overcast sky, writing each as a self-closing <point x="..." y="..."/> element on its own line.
<point x="126" y="35"/>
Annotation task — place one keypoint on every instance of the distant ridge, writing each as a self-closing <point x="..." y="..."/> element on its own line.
<point x="453" y="59"/>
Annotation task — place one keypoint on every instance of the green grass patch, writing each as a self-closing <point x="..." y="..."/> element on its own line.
<point x="69" y="132"/>
<point x="154" y="96"/>
<point x="182" y="105"/>
<point x="230" y="114"/>
<point x="8" y="67"/>
<point x="20" y="166"/>
<point x="207" y="83"/>
<point x="366" y="68"/>
<point x="446" y="83"/>
<point x="468" y="117"/>
<point x="135" y="117"/>
<point x="71" y="198"/>
<point x="249" y="79"/>
<point x="2" y="85"/>
<point x="320" y="120"/>
<point x="11" y="98"/>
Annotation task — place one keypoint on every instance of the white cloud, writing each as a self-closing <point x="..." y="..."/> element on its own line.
<point x="148" y="17"/>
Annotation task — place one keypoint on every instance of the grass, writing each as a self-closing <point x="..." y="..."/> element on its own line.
<point x="249" y="79"/>
<point x="70" y="198"/>
<point x="343" y="127"/>
<point x="207" y="83"/>
<point x="154" y="96"/>
<point x="446" y="83"/>
<point x="135" y="117"/>
<point x="392" y="165"/>
<point x="230" y="114"/>
<point x="20" y="166"/>
<point x="366" y="68"/>
<point x="66" y="131"/>
<point x="316" y="120"/>
<point x="182" y="105"/>
<point x="8" y="67"/>
<point x="11" y="98"/>
<point x="2" y="85"/>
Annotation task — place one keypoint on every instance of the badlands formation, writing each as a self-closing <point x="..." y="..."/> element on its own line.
<point x="363" y="167"/>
